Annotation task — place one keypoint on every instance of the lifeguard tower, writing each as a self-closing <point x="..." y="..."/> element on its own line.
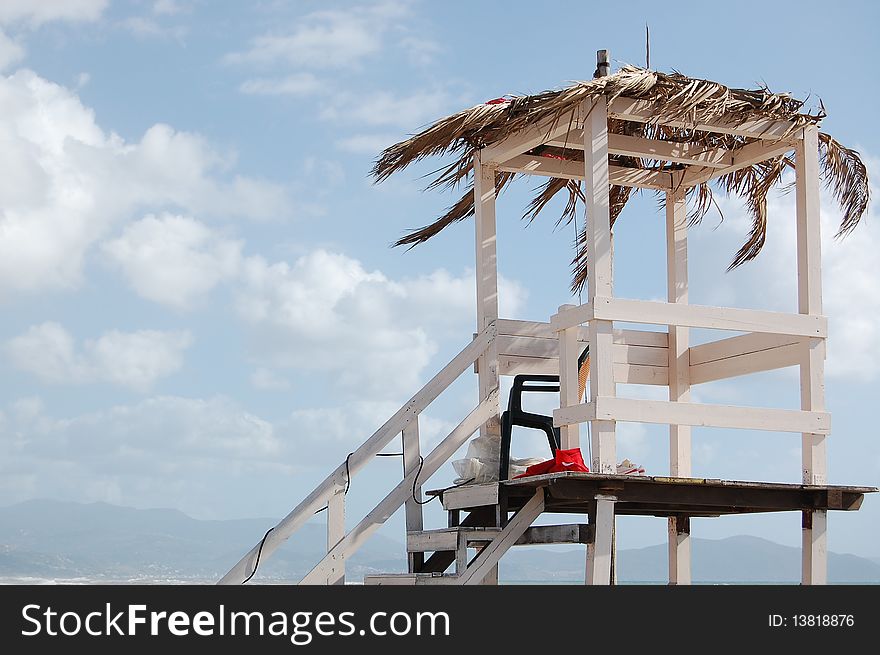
<point x="597" y="141"/>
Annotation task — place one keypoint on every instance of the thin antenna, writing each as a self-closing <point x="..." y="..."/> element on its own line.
<point x="647" y="47"/>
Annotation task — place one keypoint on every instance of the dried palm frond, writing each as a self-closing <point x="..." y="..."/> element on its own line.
<point x="675" y="96"/>
<point x="845" y="174"/>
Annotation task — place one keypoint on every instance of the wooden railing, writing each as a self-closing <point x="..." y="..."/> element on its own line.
<point x="330" y="493"/>
<point x="773" y="340"/>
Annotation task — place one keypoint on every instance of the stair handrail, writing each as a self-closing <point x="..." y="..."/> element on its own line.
<point x="332" y="485"/>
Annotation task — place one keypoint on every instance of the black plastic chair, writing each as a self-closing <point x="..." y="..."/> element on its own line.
<point x="514" y="415"/>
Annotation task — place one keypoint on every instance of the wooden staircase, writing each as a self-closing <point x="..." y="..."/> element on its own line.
<point x="450" y="547"/>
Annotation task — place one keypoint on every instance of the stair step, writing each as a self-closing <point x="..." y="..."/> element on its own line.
<point x="468" y="496"/>
<point x="410" y="579"/>
<point x="447" y="538"/>
<point x="424" y="541"/>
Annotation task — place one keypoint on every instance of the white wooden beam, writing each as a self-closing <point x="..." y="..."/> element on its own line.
<point x="702" y="316"/>
<point x="647" y="111"/>
<point x="599" y="553"/>
<point x="812" y="370"/>
<point x="743" y="344"/>
<point x="487" y="281"/>
<point x="411" y="456"/>
<point x="641" y="178"/>
<point x="525" y="140"/>
<point x="679" y="375"/>
<point x="747" y="363"/>
<point x="335" y="533"/>
<point x="746" y="155"/>
<point x="540" y="330"/>
<point x="679" y="550"/>
<point x="569" y="351"/>
<point x="623" y="373"/>
<point x="633" y="146"/>
<point x="621" y="353"/>
<point x="702" y="414"/>
<point x="599" y="279"/>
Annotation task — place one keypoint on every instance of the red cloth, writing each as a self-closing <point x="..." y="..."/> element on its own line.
<point x="565" y="460"/>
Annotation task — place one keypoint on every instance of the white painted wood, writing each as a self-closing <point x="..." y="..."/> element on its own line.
<point x="743" y="344"/>
<point x="487" y="282"/>
<point x="623" y="373"/>
<point x="411" y="456"/>
<point x="679" y="374"/>
<point x="640" y="178"/>
<point x="489" y="557"/>
<point x="569" y="350"/>
<point x="526" y="139"/>
<point x="599" y="280"/>
<point x="359" y="458"/>
<point x="747" y="363"/>
<point x="470" y="495"/>
<point x="335" y="533"/>
<point x="645" y="111"/>
<point x="812" y="370"/>
<point x="447" y="538"/>
<point x="703" y="414"/>
<point x="744" y="156"/>
<point x="600" y="553"/>
<point x="631" y="146"/>
<point x="679" y="554"/>
<point x="508" y="327"/>
<point x="397" y="497"/>
<point x="577" y="315"/>
<point x="814" y="548"/>
<point x="549" y="348"/>
<point x="702" y="316"/>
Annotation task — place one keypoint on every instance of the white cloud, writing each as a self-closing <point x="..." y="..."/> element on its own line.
<point x="325" y="39"/>
<point x="369" y="144"/>
<point x="173" y="260"/>
<point x="167" y="7"/>
<point x="165" y="451"/>
<point x="146" y="27"/>
<point x="297" y="84"/>
<point x="64" y="182"/>
<point x="11" y="51"/>
<point x="851" y="284"/>
<point x="327" y="312"/>
<point x="421" y="51"/>
<point x="383" y="108"/>
<point x="130" y="359"/>
<point x="37" y="12"/>
<point x="266" y="379"/>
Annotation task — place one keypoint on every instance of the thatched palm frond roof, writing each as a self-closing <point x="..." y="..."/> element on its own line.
<point x="676" y="97"/>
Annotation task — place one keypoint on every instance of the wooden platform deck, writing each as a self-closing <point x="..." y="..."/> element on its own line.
<point x="656" y="496"/>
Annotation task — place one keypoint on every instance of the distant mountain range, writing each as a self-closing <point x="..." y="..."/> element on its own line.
<point x="52" y="540"/>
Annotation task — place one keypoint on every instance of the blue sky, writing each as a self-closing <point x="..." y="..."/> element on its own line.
<point x="201" y="308"/>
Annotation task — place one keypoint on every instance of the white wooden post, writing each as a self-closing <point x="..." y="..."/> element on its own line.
<point x="599" y="552"/>
<point x="812" y="369"/>
<point x="599" y="278"/>
<point x="569" y="435"/>
<point x="679" y="377"/>
<point x="414" y="517"/>
<point x="336" y="532"/>
<point x="487" y="298"/>
<point x="487" y="277"/>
